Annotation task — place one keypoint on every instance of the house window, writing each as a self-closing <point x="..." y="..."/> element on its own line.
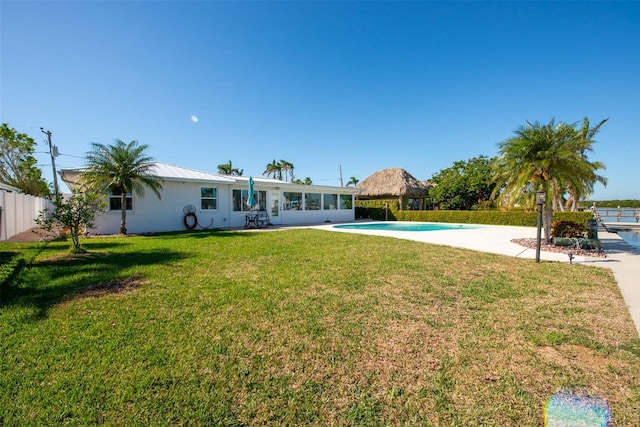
<point x="346" y="201"/>
<point x="292" y="201"/>
<point x="208" y="198"/>
<point x="115" y="200"/>
<point x="240" y="198"/>
<point x="312" y="201"/>
<point x="330" y="201"/>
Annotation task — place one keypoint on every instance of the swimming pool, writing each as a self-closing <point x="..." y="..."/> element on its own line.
<point x="404" y="226"/>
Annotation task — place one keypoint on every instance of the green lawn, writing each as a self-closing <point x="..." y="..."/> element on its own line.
<point x="303" y="327"/>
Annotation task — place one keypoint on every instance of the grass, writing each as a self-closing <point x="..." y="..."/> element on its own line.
<point x="303" y="327"/>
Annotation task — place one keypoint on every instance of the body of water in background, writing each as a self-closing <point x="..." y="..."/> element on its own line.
<point x="618" y="214"/>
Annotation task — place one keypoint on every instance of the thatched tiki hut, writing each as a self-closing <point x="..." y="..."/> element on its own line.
<point x="395" y="182"/>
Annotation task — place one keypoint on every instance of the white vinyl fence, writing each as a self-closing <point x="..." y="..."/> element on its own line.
<point x="18" y="212"/>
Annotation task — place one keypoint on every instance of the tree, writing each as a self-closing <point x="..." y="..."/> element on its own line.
<point x="123" y="168"/>
<point x="583" y="189"/>
<point x="274" y="168"/>
<point x="463" y="186"/>
<point x="228" y="169"/>
<point x="287" y="168"/>
<point x="76" y="212"/>
<point x="353" y="181"/>
<point x="306" y="181"/>
<point x="18" y="166"/>
<point x="549" y="158"/>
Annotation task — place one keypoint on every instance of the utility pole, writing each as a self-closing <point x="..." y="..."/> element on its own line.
<point x="54" y="153"/>
<point x="341" y="183"/>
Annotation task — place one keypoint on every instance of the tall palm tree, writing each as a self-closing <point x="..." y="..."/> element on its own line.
<point x="291" y="168"/>
<point x="122" y="167"/>
<point x="228" y="169"/>
<point x="585" y="136"/>
<point x="274" y="168"/>
<point x="287" y="168"/>
<point x="353" y="181"/>
<point x="539" y="157"/>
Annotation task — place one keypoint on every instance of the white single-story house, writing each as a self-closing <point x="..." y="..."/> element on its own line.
<point x="219" y="201"/>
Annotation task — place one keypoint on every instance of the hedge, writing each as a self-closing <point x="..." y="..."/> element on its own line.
<point x="375" y="209"/>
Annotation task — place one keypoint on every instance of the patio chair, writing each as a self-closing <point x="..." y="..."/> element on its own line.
<point x="262" y="219"/>
<point x="251" y="220"/>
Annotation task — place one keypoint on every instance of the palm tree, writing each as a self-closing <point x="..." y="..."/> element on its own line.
<point x="306" y="181"/>
<point x="353" y="181"/>
<point x="274" y="168"/>
<point x="585" y="137"/>
<point x="228" y="169"/>
<point x="225" y="168"/>
<point x="287" y="168"/>
<point x="542" y="157"/>
<point x="122" y="167"/>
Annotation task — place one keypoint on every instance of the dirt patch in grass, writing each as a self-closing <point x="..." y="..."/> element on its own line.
<point x="115" y="286"/>
<point x="73" y="257"/>
<point x="36" y="234"/>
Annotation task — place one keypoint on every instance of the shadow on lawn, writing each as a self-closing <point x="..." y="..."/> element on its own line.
<point x="201" y="234"/>
<point x="31" y="282"/>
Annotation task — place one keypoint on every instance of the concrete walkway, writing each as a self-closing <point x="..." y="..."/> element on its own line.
<point x="622" y="258"/>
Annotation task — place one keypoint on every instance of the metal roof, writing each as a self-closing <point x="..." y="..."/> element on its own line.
<point x="258" y="179"/>
<point x="171" y="172"/>
<point x="179" y="173"/>
<point x="262" y="182"/>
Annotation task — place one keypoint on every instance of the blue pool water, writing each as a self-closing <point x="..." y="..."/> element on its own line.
<point x="404" y="226"/>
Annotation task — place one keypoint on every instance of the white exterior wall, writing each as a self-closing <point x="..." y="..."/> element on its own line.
<point x="288" y="217"/>
<point x="317" y="217"/>
<point x="150" y="214"/>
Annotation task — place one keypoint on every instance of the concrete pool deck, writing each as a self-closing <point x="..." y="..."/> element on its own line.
<point x="622" y="258"/>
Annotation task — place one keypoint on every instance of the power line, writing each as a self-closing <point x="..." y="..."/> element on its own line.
<point x="59" y="153"/>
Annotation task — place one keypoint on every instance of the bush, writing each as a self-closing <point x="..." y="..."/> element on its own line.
<point x="73" y="213"/>
<point x="376" y="209"/>
<point x="511" y="217"/>
<point x="568" y="229"/>
<point x="381" y="210"/>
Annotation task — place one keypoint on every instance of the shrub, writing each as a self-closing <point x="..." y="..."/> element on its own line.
<point x="511" y="217"/>
<point x="73" y="213"/>
<point x="376" y="209"/>
<point x="381" y="210"/>
<point x="565" y="228"/>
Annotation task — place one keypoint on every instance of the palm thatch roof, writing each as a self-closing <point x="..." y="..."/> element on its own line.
<point x="393" y="182"/>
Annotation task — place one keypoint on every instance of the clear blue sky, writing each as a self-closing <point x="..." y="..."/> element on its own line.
<point x="364" y="85"/>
